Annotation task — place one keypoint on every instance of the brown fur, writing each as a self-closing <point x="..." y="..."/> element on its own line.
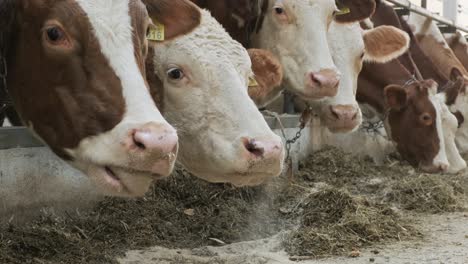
<point x="268" y="74"/>
<point x="460" y="49"/>
<point x="178" y="17"/>
<point x="360" y="10"/>
<point x="416" y="138"/>
<point x="226" y="11"/>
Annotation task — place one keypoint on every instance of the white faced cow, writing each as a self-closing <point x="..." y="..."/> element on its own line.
<point x="223" y="137"/>
<point x="350" y="47"/>
<point x="76" y="75"/>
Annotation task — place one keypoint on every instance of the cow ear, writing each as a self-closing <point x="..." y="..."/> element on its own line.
<point x="385" y="43"/>
<point x="396" y="97"/>
<point x="268" y="77"/>
<point x="173" y="18"/>
<point x="354" y="10"/>
<point x="455" y="74"/>
<point x="452" y="90"/>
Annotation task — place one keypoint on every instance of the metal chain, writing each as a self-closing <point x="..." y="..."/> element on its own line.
<point x="305" y="117"/>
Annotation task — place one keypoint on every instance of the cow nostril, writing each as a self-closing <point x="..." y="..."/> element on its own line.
<point x="315" y="79"/>
<point x="252" y="147"/>
<point x="137" y="143"/>
<point x="334" y="113"/>
<point x="354" y="117"/>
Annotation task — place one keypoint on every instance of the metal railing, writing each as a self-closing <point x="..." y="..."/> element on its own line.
<point x="21" y="137"/>
<point x="424" y="12"/>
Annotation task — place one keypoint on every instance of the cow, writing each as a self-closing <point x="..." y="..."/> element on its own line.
<point x="77" y="79"/>
<point x="413" y="112"/>
<point x="350" y="47"/>
<point x="205" y="76"/>
<point x="437" y="49"/>
<point x="296" y="33"/>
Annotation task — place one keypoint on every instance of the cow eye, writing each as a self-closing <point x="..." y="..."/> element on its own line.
<point x="175" y="74"/>
<point x="426" y="119"/>
<point x="55" y="34"/>
<point x="279" y="10"/>
<point x="362" y="55"/>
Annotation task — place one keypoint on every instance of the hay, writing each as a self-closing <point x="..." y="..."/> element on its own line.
<point x="428" y="194"/>
<point x="336" y="223"/>
<point x="337" y="203"/>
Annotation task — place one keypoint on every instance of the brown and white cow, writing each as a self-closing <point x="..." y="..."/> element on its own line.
<point x="350" y="47"/>
<point x="76" y="75"/>
<point x="417" y="119"/>
<point x="433" y="43"/>
<point x="223" y="137"/>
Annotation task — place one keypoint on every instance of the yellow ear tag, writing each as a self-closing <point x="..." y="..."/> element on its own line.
<point x="156" y="32"/>
<point x="343" y="11"/>
<point x="252" y="82"/>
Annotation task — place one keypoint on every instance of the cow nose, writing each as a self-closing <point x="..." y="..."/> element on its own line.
<point x="262" y="148"/>
<point x="155" y="137"/>
<point x="158" y="144"/>
<point x="443" y="167"/>
<point x="323" y="83"/>
<point x="436" y="167"/>
<point x="346" y="113"/>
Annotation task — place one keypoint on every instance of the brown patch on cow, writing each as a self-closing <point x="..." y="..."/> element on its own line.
<point x="396" y="43"/>
<point x="460" y="118"/>
<point x="425" y="66"/>
<point x="268" y="74"/>
<point x="459" y="48"/>
<point x="396" y="97"/>
<point x="413" y="127"/>
<point x="241" y="18"/>
<point x="440" y="55"/>
<point x="178" y="17"/>
<point x="359" y="10"/>
<point x="156" y="86"/>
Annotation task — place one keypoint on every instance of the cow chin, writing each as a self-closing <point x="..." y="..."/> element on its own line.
<point x="116" y="181"/>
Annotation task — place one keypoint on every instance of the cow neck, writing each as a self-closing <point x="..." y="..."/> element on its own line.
<point x="256" y="22"/>
<point x="386" y="15"/>
<point x="422" y="61"/>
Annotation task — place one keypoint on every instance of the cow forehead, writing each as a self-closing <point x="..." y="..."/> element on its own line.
<point x="345" y="39"/>
<point x="210" y="46"/>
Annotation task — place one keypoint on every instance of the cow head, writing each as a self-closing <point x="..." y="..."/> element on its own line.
<point x="296" y="32"/>
<point x="415" y="124"/>
<point x="350" y="47"/>
<point x="223" y="137"/>
<point x="76" y="75"/>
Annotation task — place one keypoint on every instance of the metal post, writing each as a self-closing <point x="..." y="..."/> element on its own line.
<point x="424" y="3"/>
<point x="450" y="10"/>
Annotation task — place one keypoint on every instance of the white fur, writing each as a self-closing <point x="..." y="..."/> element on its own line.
<point x="111" y="24"/>
<point x="449" y="128"/>
<point x="302" y="45"/>
<point x="211" y="107"/>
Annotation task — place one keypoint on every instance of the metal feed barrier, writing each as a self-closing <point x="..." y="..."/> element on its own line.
<point x="21" y="137"/>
